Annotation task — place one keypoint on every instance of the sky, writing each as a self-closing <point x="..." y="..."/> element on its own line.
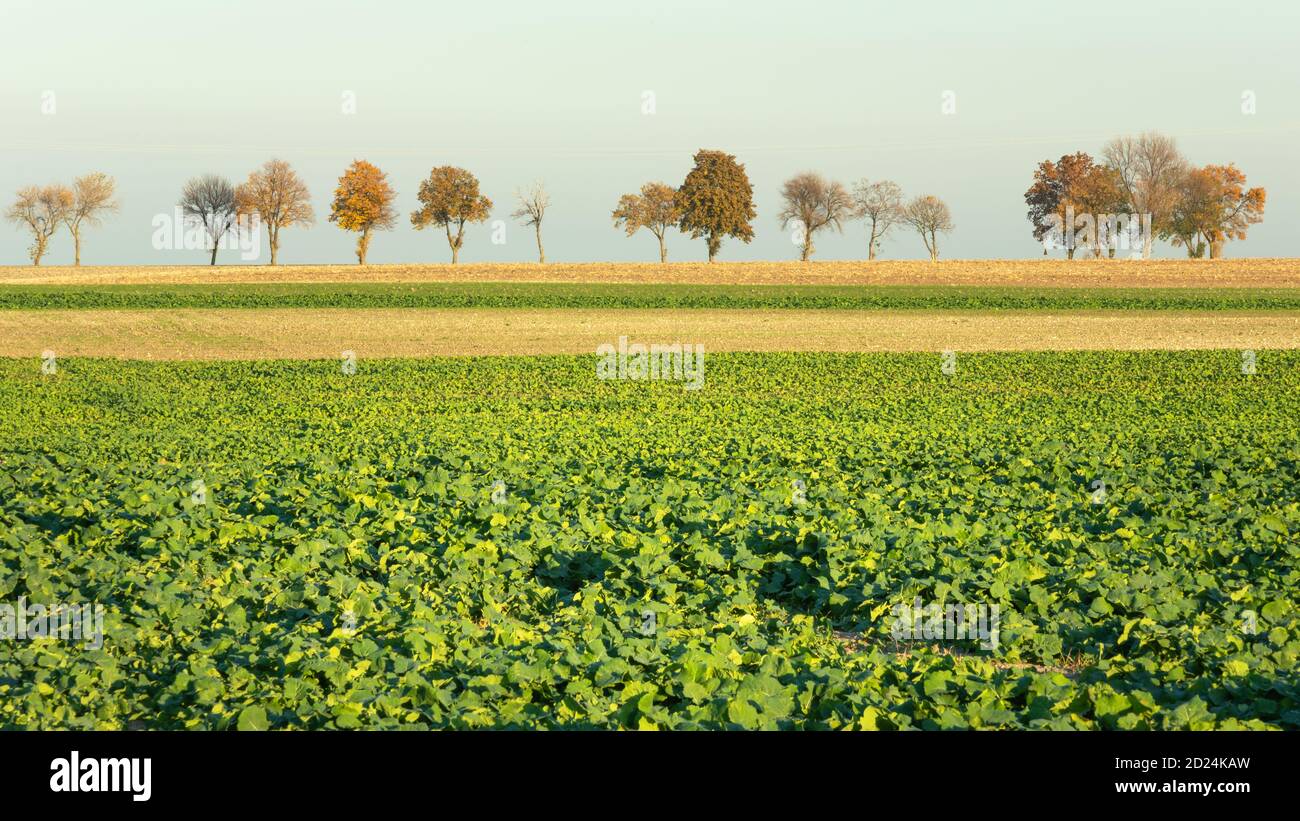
<point x="596" y="98"/>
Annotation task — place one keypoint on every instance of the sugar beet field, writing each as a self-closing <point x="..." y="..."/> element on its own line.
<point x="511" y="542"/>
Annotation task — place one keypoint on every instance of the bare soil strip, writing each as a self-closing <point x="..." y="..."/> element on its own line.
<point x="857" y="643"/>
<point x="1079" y="273"/>
<point x="323" y="333"/>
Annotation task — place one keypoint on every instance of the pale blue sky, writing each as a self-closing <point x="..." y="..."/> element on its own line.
<point x="155" y="92"/>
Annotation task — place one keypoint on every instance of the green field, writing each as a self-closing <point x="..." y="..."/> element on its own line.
<point x="348" y="565"/>
<point x="600" y="295"/>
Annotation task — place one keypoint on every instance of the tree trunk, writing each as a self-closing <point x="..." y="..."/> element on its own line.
<point x="274" y="238"/>
<point x="807" y="248"/>
<point x="76" y="247"/>
<point x="1069" y="253"/>
<point x="871" y="246"/>
<point x="1146" y="247"/>
<point x="215" y="243"/>
<point x="363" y="245"/>
<point x="663" y="250"/>
<point x="40" y="244"/>
<point x="1216" y="250"/>
<point x="541" y="252"/>
<point x="715" y="243"/>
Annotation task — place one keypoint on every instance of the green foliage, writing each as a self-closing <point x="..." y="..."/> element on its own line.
<point x="350" y="568"/>
<point x="564" y="295"/>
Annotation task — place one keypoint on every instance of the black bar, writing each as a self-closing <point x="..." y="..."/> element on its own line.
<point x="333" y="770"/>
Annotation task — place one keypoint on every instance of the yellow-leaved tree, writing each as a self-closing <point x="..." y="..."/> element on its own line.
<point x="363" y="202"/>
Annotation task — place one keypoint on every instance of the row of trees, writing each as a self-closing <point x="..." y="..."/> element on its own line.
<point x="449" y="199"/>
<point x="1196" y="208"/>
<point x="43" y="210"/>
<point x="364" y="202"/>
<point x="1144" y="176"/>
<point x="716" y="201"/>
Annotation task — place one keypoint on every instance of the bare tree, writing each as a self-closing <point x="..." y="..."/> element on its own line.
<point x="92" y="199"/>
<point x="1151" y="172"/>
<point x="533" y="202"/>
<point x="41" y="211"/>
<point x="881" y="205"/>
<point x="812" y="202"/>
<point x="209" y="201"/>
<point x="930" y="217"/>
<point x="655" y="208"/>
<point x="279" y="198"/>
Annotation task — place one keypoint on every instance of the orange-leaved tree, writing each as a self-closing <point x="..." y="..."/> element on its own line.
<point x="1055" y="196"/>
<point x="450" y="196"/>
<point x="1237" y="207"/>
<point x="1214" y="206"/>
<point x="363" y="202"/>
<point x="717" y="200"/>
<point x="655" y="209"/>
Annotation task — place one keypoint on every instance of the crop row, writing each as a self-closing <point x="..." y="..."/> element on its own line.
<point x="560" y="295"/>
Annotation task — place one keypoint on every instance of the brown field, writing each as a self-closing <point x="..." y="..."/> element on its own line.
<point x="324" y="333"/>
<point x="1228" y="273"/>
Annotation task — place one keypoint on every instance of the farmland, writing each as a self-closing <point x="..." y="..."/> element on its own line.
<point x="656" y="557"/>
<point x="473" y="530"/>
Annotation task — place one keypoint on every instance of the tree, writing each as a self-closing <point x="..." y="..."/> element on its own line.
<point x="1150" y="171"/>
<point x="655" y="209"/>
<point x="92" y="198"/>
<point x="1102" y="196"/>
<point x="1214" y="206"/>
<point x="1193" y="212"/>
<point x="450" y="197"/>
<point x="881" y="205"/>
<point x="930" y="217"/>
<point x="279" y="198"/>
<point x="533" y="203"/>
<point x="717" y="200"/>
<point x="1056" y="196"/>
<point x="363" y="202"/>
<point x="209" y="201"/>
<point x="813" y="203"/>
<point x="41" y="210"/>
